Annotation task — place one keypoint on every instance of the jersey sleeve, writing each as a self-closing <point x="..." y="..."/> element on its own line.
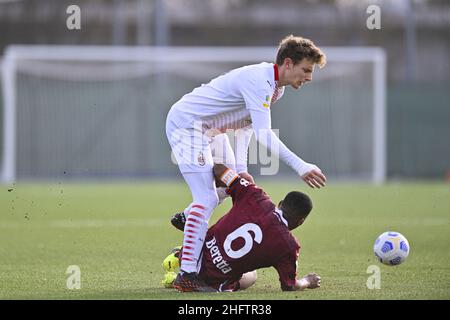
<point x="257" y="93"/>
<point x="287" y="270"/>
<point x="241" y="188"/>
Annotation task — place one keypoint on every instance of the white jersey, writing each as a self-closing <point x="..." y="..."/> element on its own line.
<point x="238" y="99"/>
<point x="226" y="101"/>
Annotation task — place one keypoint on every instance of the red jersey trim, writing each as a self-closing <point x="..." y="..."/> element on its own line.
<point x="275" y="71"/>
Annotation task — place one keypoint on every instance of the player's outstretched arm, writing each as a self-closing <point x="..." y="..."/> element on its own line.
<point x="314" y="178"/>
<point x="224" y="176"/>
<point x="310" y="281"/>
<point x="308" y="172"/>
<point x="219" y="170"/>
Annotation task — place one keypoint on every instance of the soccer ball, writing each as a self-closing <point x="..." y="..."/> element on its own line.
<point x="391" y="248"/>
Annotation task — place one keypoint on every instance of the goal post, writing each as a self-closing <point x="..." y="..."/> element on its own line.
<point x="99" y="111"/>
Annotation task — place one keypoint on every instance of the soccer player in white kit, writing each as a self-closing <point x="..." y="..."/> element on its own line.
<point x="239" y="100"/>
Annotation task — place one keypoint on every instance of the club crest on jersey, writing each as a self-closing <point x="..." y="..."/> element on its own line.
<point x="266" y="104"/>
<point x="201" y="159"/>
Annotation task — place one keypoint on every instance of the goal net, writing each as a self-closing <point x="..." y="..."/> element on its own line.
<point x="99" y="112"/>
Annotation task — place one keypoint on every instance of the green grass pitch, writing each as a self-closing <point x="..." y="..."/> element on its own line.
<point x="118" y="235"/>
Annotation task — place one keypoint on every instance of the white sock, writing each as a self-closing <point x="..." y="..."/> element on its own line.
<point x="194" y="237"/>
<point x="204" y="200"/>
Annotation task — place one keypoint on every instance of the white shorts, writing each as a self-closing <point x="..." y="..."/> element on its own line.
<point x="195" y="152"/>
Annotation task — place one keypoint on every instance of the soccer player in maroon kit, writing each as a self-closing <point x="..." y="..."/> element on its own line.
<point x="254" y="234"/>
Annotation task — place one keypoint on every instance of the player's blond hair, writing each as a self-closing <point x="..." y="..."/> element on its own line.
<point x="297" y="49"/>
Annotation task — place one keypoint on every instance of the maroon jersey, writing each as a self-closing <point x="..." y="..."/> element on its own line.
<point x="250" y="236"/>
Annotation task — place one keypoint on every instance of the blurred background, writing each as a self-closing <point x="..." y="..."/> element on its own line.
<point x="105" y="119"/>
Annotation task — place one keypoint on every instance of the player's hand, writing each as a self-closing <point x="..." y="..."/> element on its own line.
<point x="247" y="177"/>
<point x="315" y="178"/>
<point x="313" y="279"/>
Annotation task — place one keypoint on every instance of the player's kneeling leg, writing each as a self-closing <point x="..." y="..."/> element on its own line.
<point x="248" y="279"/>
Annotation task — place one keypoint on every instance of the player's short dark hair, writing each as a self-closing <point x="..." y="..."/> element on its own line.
<point x="296" y="205"/>
<point x="298" y="48"/>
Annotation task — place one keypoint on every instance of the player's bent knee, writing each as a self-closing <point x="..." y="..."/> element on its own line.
<point x="247" y="280"/>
